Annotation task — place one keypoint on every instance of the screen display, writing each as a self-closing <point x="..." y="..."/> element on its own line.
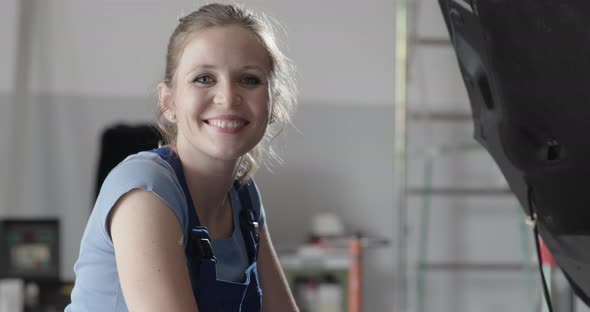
<point x="29" y="249"/>
<point x="30" y="257"/>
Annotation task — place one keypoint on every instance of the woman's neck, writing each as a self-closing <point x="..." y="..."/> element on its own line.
<point x="208" y="180"/>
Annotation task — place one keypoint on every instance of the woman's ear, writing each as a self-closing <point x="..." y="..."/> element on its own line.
<point x="165" y="101"/>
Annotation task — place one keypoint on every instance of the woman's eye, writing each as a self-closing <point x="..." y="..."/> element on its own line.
<point x="204" y="79"/>
<point x="250" y="80"/>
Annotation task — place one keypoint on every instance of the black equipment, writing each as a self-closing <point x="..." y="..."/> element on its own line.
<point x="120" y="141"/>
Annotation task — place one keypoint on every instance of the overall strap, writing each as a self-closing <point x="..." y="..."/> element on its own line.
<point x="248" y="220"/>
<point x="250" y="227"/>
<point x="200" y="260"/>
<point x="200" y="246"/>
<point x="171" y="158"/>
<point x="199" y="242"/>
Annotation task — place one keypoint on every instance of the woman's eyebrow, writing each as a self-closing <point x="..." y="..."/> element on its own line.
<point x="255" y="67"/>
<point x="194" y="68"/>
<point x="198" y="67"/>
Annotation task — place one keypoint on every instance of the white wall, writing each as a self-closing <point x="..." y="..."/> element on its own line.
<point x="8" y="37"/>
<point x="343" y="49"/>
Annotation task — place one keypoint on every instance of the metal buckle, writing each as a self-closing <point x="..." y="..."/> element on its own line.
<point x="256" y="230"/>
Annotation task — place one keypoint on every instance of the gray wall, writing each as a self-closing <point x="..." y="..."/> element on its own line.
<point x="94" y="64"/>
<point x="339" y="161"/>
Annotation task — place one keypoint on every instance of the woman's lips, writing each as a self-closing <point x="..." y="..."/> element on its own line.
<point x="226" y="124"/>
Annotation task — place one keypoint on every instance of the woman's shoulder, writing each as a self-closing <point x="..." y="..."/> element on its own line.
<point x="147" y="171"/>
<point x="140" y="170"/>
<point x="143" y="163"/>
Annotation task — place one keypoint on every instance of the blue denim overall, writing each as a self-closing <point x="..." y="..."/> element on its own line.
<point x="214" y="295"/>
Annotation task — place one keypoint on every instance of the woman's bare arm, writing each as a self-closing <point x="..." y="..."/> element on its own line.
<point x="276" y="295"/>
<point x="147" y="238"/>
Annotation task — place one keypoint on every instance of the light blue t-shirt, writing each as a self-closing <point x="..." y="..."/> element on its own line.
<point x="97" y="286"/>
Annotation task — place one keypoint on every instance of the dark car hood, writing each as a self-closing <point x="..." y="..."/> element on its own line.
<point x="526" y="67"/>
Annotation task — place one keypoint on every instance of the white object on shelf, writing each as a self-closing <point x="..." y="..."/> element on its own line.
<point x="329" y="297"/>
<point x="327" y="224"/>
<point x="12" y="295"/>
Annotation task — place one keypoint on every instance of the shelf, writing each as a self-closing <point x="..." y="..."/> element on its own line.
<point x="317" y="258"/>
<point x="333" y="261"/>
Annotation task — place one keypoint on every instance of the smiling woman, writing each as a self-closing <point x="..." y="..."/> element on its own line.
<point x="274" y="69"/>
<point x="220" y="100"/>
<point x="182" y="227"/>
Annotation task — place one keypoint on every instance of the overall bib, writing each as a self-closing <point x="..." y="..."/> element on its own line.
<point x="214" y="295"/>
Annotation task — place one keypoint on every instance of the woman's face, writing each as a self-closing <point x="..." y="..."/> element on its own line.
<point x="221" y="98"/>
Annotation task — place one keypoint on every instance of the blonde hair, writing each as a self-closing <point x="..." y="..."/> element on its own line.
<point x="282" y="89"/>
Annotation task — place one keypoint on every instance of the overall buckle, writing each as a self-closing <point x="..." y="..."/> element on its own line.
<point x="200" y="243"/>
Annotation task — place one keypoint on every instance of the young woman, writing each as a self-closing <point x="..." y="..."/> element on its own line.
<point x="182" y="228"/>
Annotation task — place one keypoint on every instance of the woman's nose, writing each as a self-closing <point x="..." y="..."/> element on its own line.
<point x="226" y="94"/>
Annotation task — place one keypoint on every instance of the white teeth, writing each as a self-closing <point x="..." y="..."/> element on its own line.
<point x="226" y="123"/>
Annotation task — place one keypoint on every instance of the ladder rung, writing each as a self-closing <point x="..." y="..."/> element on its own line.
<point x="443" y="116"/>
<point x="464" y="266"/>
<point x="460" y="191"/>
<point x="432" y="41"/>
